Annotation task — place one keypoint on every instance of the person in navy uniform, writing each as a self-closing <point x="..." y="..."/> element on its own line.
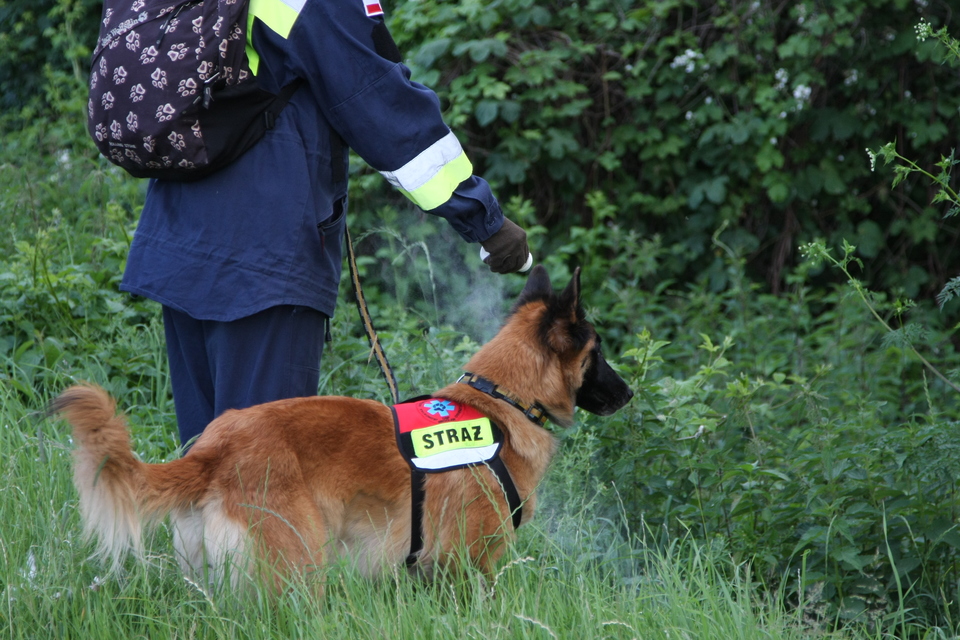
<point x="246" y="262"/>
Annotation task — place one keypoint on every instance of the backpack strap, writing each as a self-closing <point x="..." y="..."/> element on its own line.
<point x="271" y="113"/>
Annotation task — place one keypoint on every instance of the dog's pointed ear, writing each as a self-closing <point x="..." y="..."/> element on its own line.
<point x="569" y="303"/>
<point x="565" y="327"/>
<point x="538" y="287"/>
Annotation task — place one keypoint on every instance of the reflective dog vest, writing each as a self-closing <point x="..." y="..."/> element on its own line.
<point x="436" y="435"/>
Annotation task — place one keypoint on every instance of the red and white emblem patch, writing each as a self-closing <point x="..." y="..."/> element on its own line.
<point x="373" y="8"/>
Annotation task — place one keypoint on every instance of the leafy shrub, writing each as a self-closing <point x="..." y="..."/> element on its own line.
<point x="40" y="41"/>
<point x="686" y="115"/>
<point x="789" y="430"/>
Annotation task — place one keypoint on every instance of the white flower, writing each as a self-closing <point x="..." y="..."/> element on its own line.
<point x="688" y="60"/>
<point x="781" y="77"/>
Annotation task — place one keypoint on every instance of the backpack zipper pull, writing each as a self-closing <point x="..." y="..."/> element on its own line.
<point x="207" y="95"/>
<point x="170" y="16"/>
<point x="208" y="90"/>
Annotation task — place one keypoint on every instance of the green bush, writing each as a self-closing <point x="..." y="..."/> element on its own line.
<point x="687" y="114"/>
<point x="684" y="115"/>
<point x="799" y="435"/>
<point x="42" y="42"/>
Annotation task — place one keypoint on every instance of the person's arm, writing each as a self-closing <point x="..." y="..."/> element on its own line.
<point x="353" y="69"/>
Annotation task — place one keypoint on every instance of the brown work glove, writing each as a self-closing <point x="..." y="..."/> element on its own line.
<point x="507" y="248"/>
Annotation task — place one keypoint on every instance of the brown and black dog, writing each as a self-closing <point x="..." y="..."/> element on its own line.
<point x="290" y="485"/>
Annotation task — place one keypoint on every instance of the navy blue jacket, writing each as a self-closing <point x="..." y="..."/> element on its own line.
<point x="267" y="230"/>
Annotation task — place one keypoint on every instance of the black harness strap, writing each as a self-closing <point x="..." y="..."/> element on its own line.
<point x="509" y="489"/>
<point x="535" y="413"/>
<point x="417" y="496"/>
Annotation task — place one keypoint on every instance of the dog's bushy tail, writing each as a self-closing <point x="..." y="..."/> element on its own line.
<point x="119" y="494"/>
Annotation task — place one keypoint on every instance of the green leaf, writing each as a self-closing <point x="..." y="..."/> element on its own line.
<point x="486" y="112"/>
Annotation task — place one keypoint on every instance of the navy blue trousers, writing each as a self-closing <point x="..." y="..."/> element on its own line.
<point x="215" y="366"/>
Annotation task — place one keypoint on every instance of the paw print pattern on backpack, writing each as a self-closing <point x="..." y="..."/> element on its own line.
<point x="165" y="68"/>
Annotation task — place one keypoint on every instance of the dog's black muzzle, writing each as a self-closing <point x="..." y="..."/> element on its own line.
<point x="603" y="391"/>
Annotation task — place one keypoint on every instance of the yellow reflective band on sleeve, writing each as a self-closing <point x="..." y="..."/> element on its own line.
<point x="431" y="178"/>
<point x="278" y="15"/>
<point x="439" y="189"/>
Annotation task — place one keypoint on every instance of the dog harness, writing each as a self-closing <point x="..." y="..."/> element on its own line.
<point x="436" y="435"/>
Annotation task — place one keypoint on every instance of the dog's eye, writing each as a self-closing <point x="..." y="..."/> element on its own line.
<point x="591" y="355"/>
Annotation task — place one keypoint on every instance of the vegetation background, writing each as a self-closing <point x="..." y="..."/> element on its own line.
<point x="783" y="304"/>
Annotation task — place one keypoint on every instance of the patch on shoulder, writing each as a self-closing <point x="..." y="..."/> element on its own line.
<point x="372" y="8"/>
<point x="436" y="434"/>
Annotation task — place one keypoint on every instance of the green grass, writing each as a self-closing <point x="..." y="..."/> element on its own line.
<point x="787" y="467"/>
<point x="570" y="574"/>
<point x="680" y="557"/>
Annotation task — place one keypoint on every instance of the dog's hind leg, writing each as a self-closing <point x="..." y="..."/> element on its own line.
<point x="288" y="535"/>
<point x="187" y="525"/>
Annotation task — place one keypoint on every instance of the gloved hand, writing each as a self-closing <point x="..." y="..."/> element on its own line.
<point x="508" y="249"/>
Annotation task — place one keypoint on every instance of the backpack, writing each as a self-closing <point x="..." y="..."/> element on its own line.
<point x="171" y="93"/>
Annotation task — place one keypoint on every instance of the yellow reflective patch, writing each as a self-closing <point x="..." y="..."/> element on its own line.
<point x="278" y="15"/>
<point x="253" y="59"/>
<point x="440" y="187"/>
<point x="451" y="436"/>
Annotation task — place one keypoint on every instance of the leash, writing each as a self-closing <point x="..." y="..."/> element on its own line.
<point x="376" y="349"/>
<point x="535" y="413"/>
<point x="417" y="478"/>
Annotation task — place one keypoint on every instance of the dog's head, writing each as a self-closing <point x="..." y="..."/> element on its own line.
<point x="547" y="353"/>
<point x="563" y="328"/>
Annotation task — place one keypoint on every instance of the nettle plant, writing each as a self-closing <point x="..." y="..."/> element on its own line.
<point x="788" y="432"/>
<point x="939" y="178"/>
<point x="944" y="196"/>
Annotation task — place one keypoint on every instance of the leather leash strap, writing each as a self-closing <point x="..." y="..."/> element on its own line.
<point x="376" y="349"/>
<point x="417" y="478"/>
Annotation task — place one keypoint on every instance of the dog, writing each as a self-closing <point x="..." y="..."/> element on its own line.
<point x="293" y="485"/>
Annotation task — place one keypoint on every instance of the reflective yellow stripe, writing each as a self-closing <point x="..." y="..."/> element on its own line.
<point x="279" y="15"/>
<point x="439" y="189"/>
<point x="452" y="436"/>
<point x="431" y="178"/>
